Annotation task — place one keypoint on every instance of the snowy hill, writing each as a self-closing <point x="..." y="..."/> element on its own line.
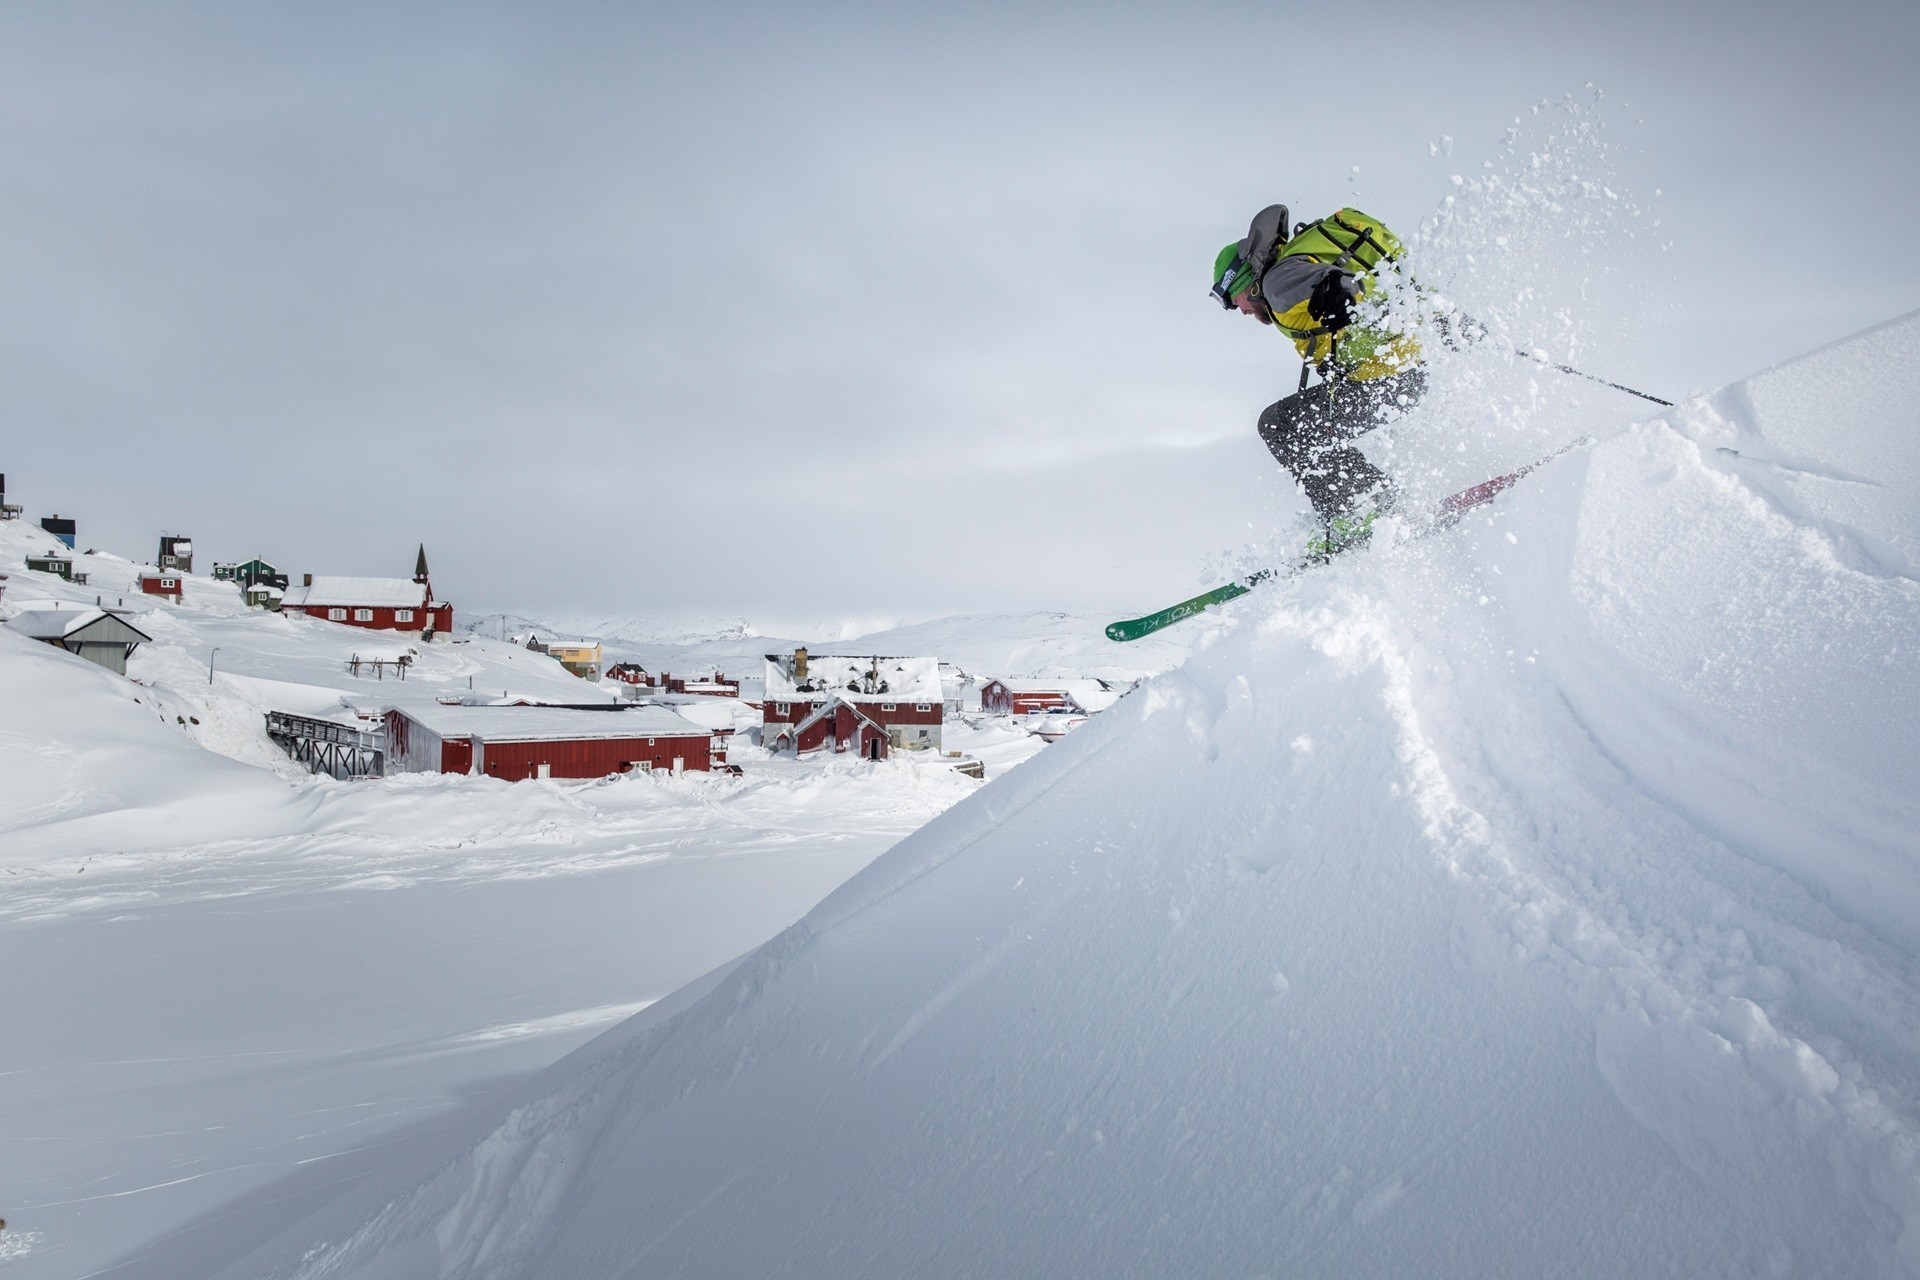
<point x="238" y="982"/>
<point x="1542" y="898"/>
<point x="1023" y="644"/>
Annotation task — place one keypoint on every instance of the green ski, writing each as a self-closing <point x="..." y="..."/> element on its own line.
<point x="1134" y="628"/>
<point x="1444" y="515"/>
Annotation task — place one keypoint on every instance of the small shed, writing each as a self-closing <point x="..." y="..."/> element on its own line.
<point x="544" y="742"/>
<point x="101" y="636"/>
<point x="160" y="582"/>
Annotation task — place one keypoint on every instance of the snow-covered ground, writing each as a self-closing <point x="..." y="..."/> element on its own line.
<point x="1536" y="899"/>
<point x="234" y="988"/>
<point x="983" y="646"/>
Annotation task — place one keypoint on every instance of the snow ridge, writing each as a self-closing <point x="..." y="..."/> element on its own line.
<point x="1535" y="899"/>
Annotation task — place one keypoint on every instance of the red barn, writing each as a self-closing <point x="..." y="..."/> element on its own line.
<point x="901" y="695"/>
<point x="379" y="604"/>
<point x="161" y="582"/>
<point x="544" y="742"/>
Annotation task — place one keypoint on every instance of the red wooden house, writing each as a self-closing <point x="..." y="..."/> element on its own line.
<point x="161" y="582"/>
<point x="1011" y="697"/>
<point x="901" y="695"/>
<point x="835" y="725"/>
<point x="379" y="604"/>
<point x="544" y="742"/>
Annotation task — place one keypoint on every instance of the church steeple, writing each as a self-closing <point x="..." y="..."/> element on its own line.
<point x="420" y="565"/>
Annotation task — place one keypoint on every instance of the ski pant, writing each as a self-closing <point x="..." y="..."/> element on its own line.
<point x="1309" y="430"/>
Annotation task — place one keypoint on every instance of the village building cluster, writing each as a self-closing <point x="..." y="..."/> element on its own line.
<point x="865" y="705"/>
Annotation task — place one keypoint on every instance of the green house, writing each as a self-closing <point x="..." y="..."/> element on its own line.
<point x="249" y="572"/>
<point x="60" y="566"/>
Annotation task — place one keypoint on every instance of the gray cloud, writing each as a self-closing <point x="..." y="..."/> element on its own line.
<point x="825" y="307"/>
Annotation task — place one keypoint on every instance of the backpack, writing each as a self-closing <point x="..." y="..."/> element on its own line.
<point x="1348" y="239"/>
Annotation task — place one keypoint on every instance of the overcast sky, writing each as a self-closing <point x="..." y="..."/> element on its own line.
<point x="824" y="311"/>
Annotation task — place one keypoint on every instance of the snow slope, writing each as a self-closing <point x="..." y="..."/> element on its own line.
<point x="1536" y="899"/>
<point x="234" y="988"/>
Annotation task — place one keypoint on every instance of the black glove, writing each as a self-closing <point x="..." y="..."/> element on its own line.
<point x="1332" y="300"/>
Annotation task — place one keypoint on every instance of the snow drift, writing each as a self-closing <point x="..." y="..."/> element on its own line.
<point x="1542" y="898"/>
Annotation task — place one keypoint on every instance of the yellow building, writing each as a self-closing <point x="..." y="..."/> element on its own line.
<point x="582" y="657"/>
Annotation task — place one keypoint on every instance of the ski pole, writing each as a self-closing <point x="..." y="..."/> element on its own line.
<point x="1564" y="368"/>
<point x="1567" y="368"/>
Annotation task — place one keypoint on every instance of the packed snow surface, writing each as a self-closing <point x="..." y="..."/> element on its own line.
<point x="1540" y="898"/>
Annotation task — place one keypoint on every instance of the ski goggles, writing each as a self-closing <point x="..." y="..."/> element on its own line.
<point x="1223" y="287"/>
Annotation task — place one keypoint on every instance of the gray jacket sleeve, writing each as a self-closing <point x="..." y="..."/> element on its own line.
<point x="1289" y="282"/>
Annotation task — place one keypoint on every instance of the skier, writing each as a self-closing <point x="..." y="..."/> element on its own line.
<point x="1305" y="281"/>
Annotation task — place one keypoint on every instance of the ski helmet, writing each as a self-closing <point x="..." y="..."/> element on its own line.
<point x="1231" y="274"/>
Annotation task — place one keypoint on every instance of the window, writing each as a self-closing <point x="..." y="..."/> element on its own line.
<point x="363" y="615"/>
<point x="403" y="615"/>
<point x="336" y="615"/>
<point x="886" y="706"/>
<point x="169" y="582"/>
<point x="923" y="706"/>
<point x="780" y="708"/>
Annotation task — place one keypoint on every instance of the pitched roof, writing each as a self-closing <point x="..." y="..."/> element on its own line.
<point x="81" y="626"/>
<point x="553" y="724"/>
<point x="830" y="707"/>
<point x="390" y="593"/>
<point x="1090" y="694"/>
<point x="858" y="678"/>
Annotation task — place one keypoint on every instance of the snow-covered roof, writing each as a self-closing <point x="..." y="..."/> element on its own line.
<point x="68" y="624"/>
<point x="830" y="707"/>
<point x="858" y="678"/>
<point x="397" y="593"/>
<point x="545" y="724"/>
<point x="1092" y="695"/>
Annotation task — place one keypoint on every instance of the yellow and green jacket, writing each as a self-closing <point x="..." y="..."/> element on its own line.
<point x="1348" y="241"/>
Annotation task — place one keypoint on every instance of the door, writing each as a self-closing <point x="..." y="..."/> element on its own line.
<point x="545" y="770"/>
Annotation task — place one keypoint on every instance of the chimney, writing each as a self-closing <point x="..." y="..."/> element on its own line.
<point x="799" y="665"/>
<point x="306" y="579"/>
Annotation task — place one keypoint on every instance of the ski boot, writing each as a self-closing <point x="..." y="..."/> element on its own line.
<point x="1350" y="529"/>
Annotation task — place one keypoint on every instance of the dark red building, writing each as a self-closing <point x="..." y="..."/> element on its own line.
<point x="836" y="725"/>
<point x="545" y="742"/>
<point x="160" y="582"/>
<point x="1010" y="697"/>
<point x="901" y="695"/>
<point x="379" y="604"/>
